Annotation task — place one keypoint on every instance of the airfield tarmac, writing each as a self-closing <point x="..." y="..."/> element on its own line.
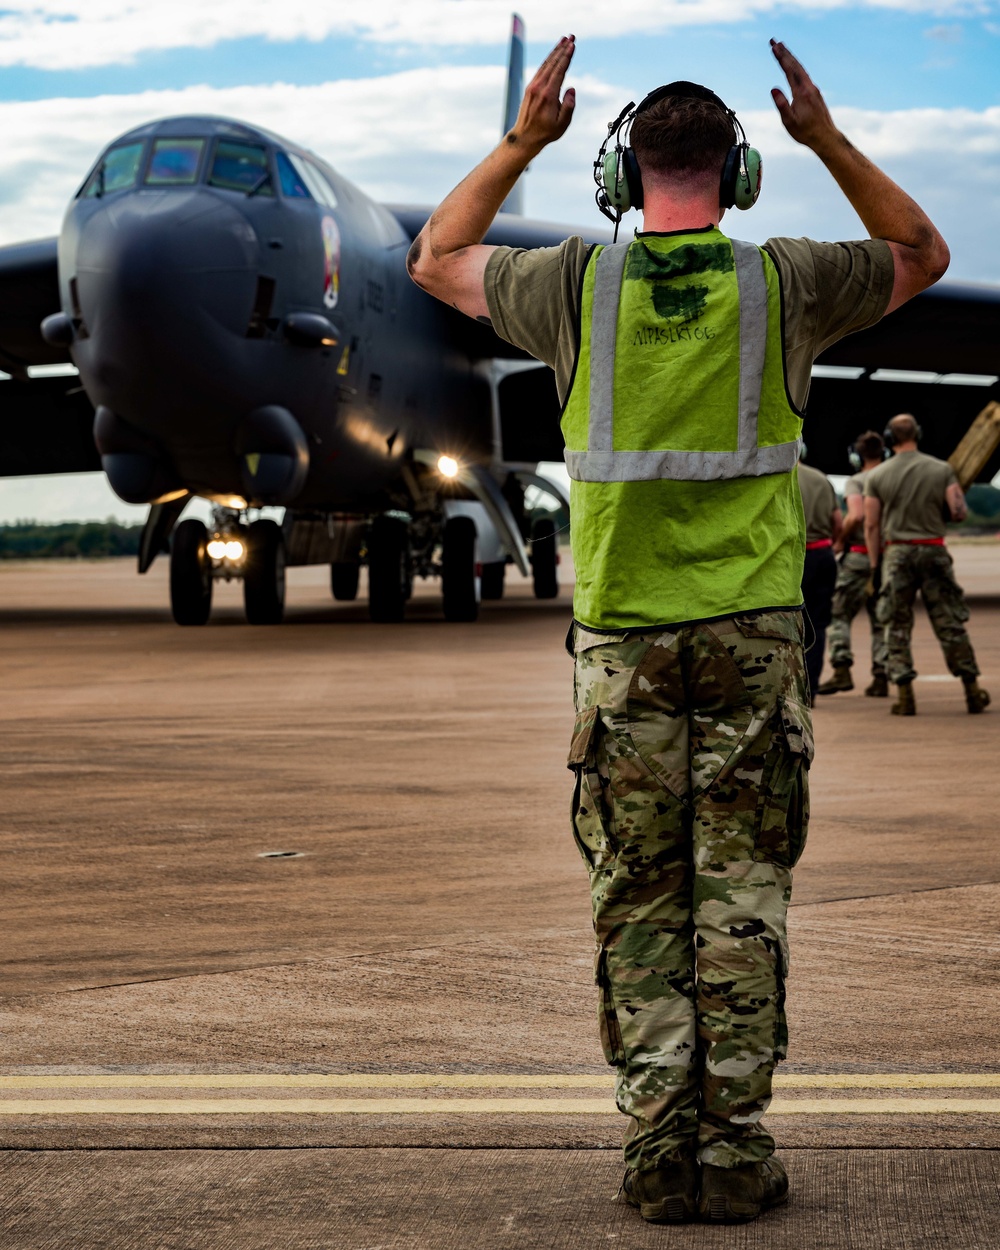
<point x="383" y="1035"/>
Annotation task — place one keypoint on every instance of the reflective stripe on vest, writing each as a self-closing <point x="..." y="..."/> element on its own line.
<point x="602" y="463"/>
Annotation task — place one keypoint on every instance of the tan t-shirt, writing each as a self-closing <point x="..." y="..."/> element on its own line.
<point x="911" y="488"/>
<point x="827" y="289"/>
<point x="855" y="485"/>
<point x="819" y="500"/>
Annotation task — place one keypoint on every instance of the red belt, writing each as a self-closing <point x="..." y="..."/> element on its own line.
<point x="861" y="551"/>
<point x="820" y="542"/>
<point x="915" y="542"/>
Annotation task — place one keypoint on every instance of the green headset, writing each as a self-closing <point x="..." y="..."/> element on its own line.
<point x="619" y="181"/>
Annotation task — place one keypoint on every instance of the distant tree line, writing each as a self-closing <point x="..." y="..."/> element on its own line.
<point x="89" y="540"/>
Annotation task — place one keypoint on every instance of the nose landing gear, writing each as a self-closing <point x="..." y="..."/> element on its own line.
<point x="190" y="574"/>
<point x="264" y="574"/>
<point x="252" y="553"/>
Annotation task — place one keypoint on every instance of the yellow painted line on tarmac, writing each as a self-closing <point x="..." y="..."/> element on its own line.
<point x="321" y="1080"/>
<point x="461" y="1106"/>
<point x="888" y="1080"/>
<point x="472" y="1080"/>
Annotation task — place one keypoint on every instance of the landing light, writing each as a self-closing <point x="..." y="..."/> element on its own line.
<point x="447" y="467"/>
<point x="225" y="549"/>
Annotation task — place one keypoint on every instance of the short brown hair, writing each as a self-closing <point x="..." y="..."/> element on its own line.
<point x="678" y="135"/>
<point x="869" y="445"/>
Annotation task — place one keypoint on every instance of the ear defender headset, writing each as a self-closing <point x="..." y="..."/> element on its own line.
<point x="619" y="182"/>
<point x="855" y="458"/>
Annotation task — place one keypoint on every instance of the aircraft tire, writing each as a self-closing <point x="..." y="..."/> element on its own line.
<point x="493" y="577"/>
<point x="388" y="569"/>
<point x="344" y="580"/>
<point x="545" y="559"/>
<point x="264" y="574"/>
<point x="190" y="574"/>
<point x="459" y="579"/>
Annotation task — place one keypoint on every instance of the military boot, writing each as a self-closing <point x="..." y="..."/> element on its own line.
<point x="905" y="704"/>
<point x="879" y="688"/>
<point x="841" y="680"/>
<point x="667" y="1195"/>
<point x="736" y="1195"/>
<point x="976" y="698"/>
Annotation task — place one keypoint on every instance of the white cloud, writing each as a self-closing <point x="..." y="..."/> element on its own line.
<point x="70" y="34"/>
<point x="409" y="137"/>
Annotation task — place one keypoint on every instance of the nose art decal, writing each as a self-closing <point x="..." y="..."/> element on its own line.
<point x="331" y="249"/>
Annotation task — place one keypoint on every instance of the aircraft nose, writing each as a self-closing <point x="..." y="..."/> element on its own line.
<point x="161" y="278"/>
<point x="144" y="247"/>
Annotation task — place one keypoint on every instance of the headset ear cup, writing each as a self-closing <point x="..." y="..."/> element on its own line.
<point x="735" y="190"/>
<point x="727" y="183"/>
<point x="616" y="188"/>
<point x="747" y="190"/>
<point x="633" y="179"/>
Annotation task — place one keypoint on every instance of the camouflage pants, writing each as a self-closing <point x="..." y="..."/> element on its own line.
<point x="905" y="570"/>
<point x="691" y="751"/>
<point x="849" y="598"/>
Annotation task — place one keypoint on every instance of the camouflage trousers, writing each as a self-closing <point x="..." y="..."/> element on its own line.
<point x="850" y="596"/>
<point x="905" y="570"/>
<point x="691" y="751"/>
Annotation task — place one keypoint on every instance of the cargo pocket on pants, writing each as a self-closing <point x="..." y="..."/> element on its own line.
<point x="607" y="1015"/>
<point x="591" y="815"/>
<point x="783" y="808"/>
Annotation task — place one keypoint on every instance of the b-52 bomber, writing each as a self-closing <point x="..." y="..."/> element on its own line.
<point x="245" y="331"/>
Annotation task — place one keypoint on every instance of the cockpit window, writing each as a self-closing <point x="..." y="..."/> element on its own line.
<point x="174" y="162"/>
<point x="241" y="167"/>
<point x="292" y="183"/>
<point x="117" y="171"/>
<point x="318" y="183"/>
<point x="304" y="180"/>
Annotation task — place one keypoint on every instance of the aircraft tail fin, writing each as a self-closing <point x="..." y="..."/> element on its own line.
<point x="514" y="203"/>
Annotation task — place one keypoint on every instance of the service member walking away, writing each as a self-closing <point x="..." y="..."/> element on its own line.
<point x="906" y="500"/>
<point x="856" y="581"/>
<point x="824" y="522"/>
<point x="693" y="730"/>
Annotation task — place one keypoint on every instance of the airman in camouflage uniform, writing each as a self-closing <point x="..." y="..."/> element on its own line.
<point x="691" y="751"/>
<point x="856" y="581"/>
<point x="906" y="501"/>
<point x="682" y="397"/>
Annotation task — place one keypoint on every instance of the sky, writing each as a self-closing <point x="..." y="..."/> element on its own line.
<point x="404" y="96"/>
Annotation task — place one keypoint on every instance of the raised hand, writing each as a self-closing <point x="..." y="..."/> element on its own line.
<point x="543" y="117"/>
<point x="806" y="117"/>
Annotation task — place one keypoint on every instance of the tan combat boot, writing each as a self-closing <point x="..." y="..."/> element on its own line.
<point x="976" y="698"/>
<point x="736" y="1195"/>
<point x="879" y="688"/>
<point x="841" y="680"/>
<point x="666" y="1195"/>
<point x="905" y="704"/>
